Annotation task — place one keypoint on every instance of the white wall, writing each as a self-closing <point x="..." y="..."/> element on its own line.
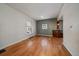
<point x="12" y="26"/>
<point x="70" y="13"/>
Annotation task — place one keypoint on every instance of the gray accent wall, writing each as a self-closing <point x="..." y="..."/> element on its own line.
<point x="51" y="24"/>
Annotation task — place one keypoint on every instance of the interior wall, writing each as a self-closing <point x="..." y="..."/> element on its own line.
<point x="70" y="13"/>
<point x="51" y="25"/>
<point x="61" y="25"/>
<point x="12" y="26"/>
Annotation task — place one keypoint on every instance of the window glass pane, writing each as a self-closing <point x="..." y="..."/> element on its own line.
<point x="28" y="23"/>
<point x="44" y="26"/>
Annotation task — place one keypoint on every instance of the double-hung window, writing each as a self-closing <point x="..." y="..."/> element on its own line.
<point x="28" y="27"/>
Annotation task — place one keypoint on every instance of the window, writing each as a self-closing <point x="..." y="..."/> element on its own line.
<point x="28" y="27"/>
<point x="44" y="26"/>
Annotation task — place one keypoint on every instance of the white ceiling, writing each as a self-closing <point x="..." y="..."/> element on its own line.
<point x="38" y="11"/>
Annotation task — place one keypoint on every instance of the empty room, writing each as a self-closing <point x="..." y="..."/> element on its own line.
<point x="39" y="29"/>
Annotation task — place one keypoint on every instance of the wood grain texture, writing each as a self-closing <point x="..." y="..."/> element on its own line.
<point x="38" y="46"/>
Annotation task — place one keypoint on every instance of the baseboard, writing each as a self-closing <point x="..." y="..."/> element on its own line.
<point x="16" y="42"/>
<point x="67" y="49"/>
<point x="45" y="35"/>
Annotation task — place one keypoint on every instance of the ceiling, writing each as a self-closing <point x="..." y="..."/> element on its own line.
<point x="38" y="11"/>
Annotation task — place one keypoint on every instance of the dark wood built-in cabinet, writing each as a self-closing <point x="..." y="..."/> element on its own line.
<point x="58" y="33"/>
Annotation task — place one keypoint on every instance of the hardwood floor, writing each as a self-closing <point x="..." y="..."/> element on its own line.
<point x="38" y="46"/>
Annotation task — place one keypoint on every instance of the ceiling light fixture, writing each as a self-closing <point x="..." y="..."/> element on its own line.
<point x="42" y="17"/>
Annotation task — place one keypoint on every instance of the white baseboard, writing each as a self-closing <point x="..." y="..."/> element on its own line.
<point x="44" y="35"/>
<point x="16" y="42"/>
<point x="67" y="49"/>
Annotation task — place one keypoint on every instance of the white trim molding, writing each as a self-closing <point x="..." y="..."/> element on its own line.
<point x="44" y="35"/>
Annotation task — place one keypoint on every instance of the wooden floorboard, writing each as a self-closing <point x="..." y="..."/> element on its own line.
<point x="38" y="46"/>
